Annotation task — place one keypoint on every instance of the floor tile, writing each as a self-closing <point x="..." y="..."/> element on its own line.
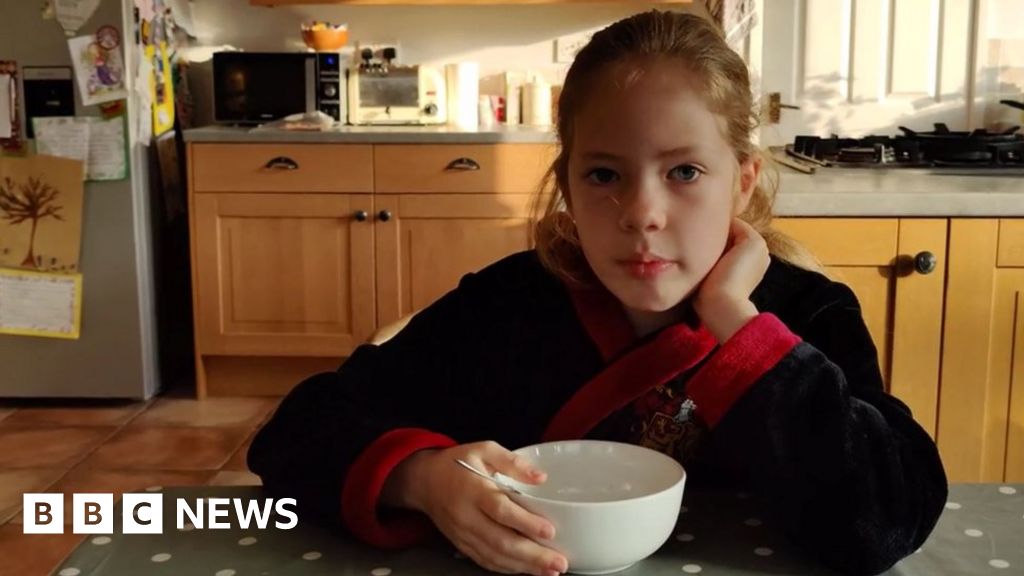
<point x="235" y="478"/>
<point x="33" y="554"/>
<point x="15" y="483"/>
<point x="87" y="415"/>
<point x="160" y="448"/>
<point x="229" y="412"/>
<point x="86" y="480"/>
<point x="47" y="447"/>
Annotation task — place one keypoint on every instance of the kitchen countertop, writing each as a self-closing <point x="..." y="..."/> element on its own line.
<point x="899" y="192"/>
<point x="838" y="192"/>
<point x="376" y="135"/>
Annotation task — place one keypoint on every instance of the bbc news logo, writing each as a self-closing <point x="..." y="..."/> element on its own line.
<point x="144" y="513"/>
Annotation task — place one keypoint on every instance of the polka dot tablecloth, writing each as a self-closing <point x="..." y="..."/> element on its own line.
<point x="981" y="532"/>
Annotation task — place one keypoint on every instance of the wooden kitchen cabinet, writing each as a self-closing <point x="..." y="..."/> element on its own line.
<point x="902" y="307"/>
<point x="429" y="241"/>
<point x="283" y="274"/>
<point x="981" y="416"/>
<point x="451" y="209"/>
<point x="293" y="269"/>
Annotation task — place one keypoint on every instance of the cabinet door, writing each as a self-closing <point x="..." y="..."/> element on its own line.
<point x="901" y="307"/>
<point x="429" y="241"/>
<point x="283" y="274"/>
<point x="981" y="418"/>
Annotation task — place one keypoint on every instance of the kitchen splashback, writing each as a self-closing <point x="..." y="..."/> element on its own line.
<point x="498" y="37"/>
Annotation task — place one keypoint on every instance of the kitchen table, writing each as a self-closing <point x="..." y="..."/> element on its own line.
<point x="981" y="531"/>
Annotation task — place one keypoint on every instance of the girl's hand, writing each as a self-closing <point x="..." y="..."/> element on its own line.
<point x="476" y="516"/>
<point x="723" y="299"/>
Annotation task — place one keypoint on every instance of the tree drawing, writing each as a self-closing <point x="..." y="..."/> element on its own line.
<point x="33" y="200"/>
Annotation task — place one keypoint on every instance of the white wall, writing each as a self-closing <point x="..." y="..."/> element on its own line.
<point x="498" y="37"/>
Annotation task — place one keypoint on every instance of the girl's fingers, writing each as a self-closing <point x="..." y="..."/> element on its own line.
<point x="504" y="511"/>
<point x="511" y="551"/>
<point x="511" y="464"/>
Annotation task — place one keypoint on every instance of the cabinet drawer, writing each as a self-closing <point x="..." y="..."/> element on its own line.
<point x="480" y="168"/>
<point x="1011" y="244"/>
<point x="845" y="241"/>
<point x="282" y="168"/>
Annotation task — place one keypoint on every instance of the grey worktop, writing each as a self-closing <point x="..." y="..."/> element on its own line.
<point x="375" y="135"/>
<point x="828" y="192"/>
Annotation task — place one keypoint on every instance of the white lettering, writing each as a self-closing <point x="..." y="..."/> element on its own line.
<point x="218" y="509"/>
<point x="253" y="509"/>
<point x="196" y="518"/>
<point x="283" y="511"/>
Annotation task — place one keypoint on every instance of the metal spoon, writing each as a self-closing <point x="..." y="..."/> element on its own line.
<point x="501" y="484"/>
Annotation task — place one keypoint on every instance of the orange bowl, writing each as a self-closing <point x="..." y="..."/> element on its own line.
<point x="325" y="40"/>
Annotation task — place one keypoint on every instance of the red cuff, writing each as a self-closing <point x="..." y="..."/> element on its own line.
<point x="758" y="346"/>
<point x="364" y="483"/>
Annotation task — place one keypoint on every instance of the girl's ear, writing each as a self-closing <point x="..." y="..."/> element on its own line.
<point x="750" y="169"/>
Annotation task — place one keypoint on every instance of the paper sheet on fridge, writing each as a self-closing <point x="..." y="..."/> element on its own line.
<point x="98" y="71"/>
<point x="72" y="14"/>
<point x="39" y="304"/>
<point x="6" y="106"/>
<point x="40" y="213"/>
<point x="182" y="11"/>
<point x="146" y="11"/>
<point x="98" y="143"/>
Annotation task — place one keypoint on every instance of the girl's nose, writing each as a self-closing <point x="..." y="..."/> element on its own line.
<point x="641" y="208"/>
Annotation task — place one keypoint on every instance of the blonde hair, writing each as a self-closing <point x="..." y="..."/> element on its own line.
<point x="725" y="82"/>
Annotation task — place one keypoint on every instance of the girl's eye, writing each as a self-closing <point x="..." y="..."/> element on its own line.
<point x="685" y="173"/>
<point x="602" y="176"/>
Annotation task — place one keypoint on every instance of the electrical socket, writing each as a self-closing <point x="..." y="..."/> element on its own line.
<point x="567" y="46"/>
<point x="378" y="50"/>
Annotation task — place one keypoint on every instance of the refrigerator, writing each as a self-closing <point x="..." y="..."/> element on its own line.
<point x="116" y="355"/>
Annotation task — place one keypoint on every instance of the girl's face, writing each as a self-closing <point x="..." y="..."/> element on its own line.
<point x="653" y="186"/>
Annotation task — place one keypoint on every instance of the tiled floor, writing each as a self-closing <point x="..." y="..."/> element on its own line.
<point x="72" y="447"/>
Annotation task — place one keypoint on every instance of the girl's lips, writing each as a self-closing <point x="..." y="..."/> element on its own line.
<point x="646" y="270"/>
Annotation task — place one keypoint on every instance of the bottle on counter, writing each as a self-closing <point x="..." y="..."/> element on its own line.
<point x="537" y="102"/>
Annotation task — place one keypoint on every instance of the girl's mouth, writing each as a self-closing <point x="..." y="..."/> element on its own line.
<point x="645" y="268"/>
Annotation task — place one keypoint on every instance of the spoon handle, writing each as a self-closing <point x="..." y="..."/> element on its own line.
<point x="474" y="470"/>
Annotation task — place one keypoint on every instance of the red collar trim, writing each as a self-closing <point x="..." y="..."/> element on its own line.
<point x="631" y="372"/>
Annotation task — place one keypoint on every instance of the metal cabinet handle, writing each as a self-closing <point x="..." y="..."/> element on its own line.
<point x="925" y="262"/>
<point x="463" y="164"/>
<point x="361" y="215"/>
<point x="384" y="215"/>
<point x="281" y="163"/>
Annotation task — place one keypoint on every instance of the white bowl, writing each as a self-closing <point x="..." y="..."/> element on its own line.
<point x="612" y="504"/>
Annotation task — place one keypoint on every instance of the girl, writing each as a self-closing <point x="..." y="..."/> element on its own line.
<point x="658" y="308"/>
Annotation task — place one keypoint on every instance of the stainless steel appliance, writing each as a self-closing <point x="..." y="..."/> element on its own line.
<point x="257" y="87"/>
<point x="380" y="92"/>
<point x="940" y="148"/>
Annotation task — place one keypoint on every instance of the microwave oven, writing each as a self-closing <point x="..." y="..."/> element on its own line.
<point x="258" y="87"/>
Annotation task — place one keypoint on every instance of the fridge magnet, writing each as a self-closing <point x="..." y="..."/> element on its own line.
<point x="40" y="213"/>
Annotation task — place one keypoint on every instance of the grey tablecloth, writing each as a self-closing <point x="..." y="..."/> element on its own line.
<point x="981" y="532"/>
